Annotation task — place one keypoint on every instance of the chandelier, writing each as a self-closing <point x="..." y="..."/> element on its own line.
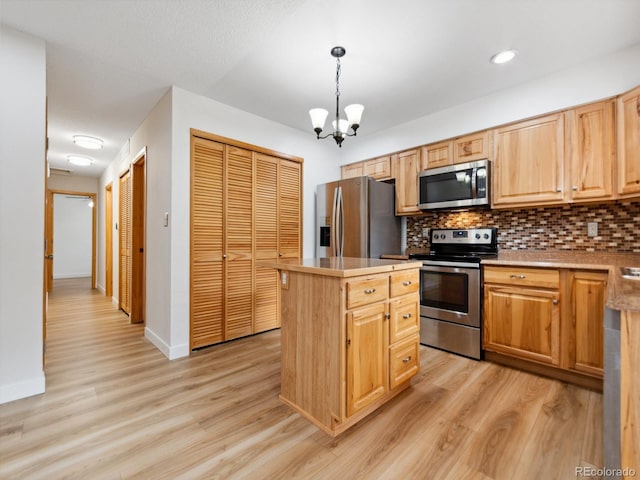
<point x="354" y="111"/>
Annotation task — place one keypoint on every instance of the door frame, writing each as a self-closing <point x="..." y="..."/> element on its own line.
<point x="50" y="193"/>
<point x="108" y="222"/>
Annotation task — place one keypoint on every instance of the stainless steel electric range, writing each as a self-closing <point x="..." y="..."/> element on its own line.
<point x="451" y="289"/>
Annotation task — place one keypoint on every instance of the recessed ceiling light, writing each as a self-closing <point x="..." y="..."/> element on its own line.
<point x="504" y="56"/>
<point x="85" y="141"/>
<point x="80" y="160"/>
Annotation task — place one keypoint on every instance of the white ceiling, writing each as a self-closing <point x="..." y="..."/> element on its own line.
<point x="110" y="61"/>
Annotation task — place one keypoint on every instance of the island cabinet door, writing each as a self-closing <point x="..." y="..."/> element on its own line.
<point x="367" y="364"/>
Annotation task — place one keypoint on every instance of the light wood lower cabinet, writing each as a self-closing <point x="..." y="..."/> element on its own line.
<point x="550" y="317"/>
<point x="348" y="344"/>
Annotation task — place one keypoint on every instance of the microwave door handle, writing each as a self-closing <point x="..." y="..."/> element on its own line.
<point x="474" y="183"/>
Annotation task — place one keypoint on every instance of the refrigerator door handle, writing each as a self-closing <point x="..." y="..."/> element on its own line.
<point x="340" y="222"/>
<point x="334" y="224"/>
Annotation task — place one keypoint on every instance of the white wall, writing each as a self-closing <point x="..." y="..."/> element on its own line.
<point x="594" y="80"/>
<point x="22" y="140"/>
<point x="72" y="236"/>
<point x="193" y="111"/>
<point x="73" y="183"/>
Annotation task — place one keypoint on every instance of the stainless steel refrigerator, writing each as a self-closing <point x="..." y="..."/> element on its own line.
<point x="355" y="217"/>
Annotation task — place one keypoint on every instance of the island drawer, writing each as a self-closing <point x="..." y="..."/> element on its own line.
<point x="363" y="291"/>
<point x="524" y="276"/>
<point x="405" y="318"/>
<point x="404" y="360"/>
<point x="404" y="282"/>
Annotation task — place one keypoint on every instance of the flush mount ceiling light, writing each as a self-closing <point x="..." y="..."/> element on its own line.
<point x="354" y="111"/>
<point x="85" y="141"/>
<point x="503" y="56"/>
<point x="80" y="160"/>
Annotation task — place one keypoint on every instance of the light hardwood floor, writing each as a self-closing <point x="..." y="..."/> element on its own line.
<point x="116" y="408"/>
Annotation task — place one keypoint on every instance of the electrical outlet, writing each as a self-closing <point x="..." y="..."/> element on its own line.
<point x="425" y="232"/>
<point x="592" y="229"/>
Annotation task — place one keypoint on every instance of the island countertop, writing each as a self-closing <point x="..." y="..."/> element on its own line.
<point x="341" y="266"/>
<point x="622" y="293"/>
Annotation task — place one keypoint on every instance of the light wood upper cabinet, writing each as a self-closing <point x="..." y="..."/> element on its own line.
<point x="437" y="155"/>
<point x="628" y="123"/>
<point x="528" y="162"/>
<point x="378" y="168"/>
<point x="407" y="167"/>
<point x="352" y="170"/>
<point x="590" y="147"/>
<point x="471" y="147"/>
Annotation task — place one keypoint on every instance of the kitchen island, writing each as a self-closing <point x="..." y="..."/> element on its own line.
<point x="350" y="336"/>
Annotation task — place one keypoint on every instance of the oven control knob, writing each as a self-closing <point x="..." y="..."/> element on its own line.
<point x="477" y="235"/>
<point x="486" y="236"/>
<point x="436" y="236"/>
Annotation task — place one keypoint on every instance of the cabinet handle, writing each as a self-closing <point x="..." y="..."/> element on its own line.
<point x="555" y="301"/>
<point x="280" y="254"/>
<point x="387" y="316"/>
<point x="466" y="148"/>
<point x="224" y="255"/>
<point x="406" y="283"/>
<point x="574" y="188"/>
<point x="406" y="360"/>
<point x="518" y="276"/>
<point x="406" y="315"/>
<point x="369" y="291"/>
<point x="558" y="190"/>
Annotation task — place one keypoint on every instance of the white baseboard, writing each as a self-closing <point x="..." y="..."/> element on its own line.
<point x="101" y="289"/>
<point x="22" y="389"/>
<point x="59" y="276"/>
<point x="177" y="351"/>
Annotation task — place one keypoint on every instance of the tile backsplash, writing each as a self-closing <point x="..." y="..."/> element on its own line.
<point x="548" y="228"/>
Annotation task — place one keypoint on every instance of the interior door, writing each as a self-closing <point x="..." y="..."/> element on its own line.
<point x="138" y="222"/>
<point x="207" y="242"/>
<point x="239" y="243"/>
<point x="266" y="242"/>
<point x="48" y="232"/>
<point x="124" y="237"/>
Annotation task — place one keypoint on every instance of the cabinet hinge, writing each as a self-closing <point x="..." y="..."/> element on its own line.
<point x="348" y="342"/>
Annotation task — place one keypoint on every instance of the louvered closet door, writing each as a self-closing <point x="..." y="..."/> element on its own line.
<point x="207" y="246"/>
<point x="266" y="238"/>
<point x="124" y="238"/>
<point x="290" y="218"/>
<point x="239" y="243"/>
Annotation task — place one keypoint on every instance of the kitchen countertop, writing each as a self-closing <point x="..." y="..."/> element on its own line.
<point x="622" y="293"/>
<point x="341" y="266"/>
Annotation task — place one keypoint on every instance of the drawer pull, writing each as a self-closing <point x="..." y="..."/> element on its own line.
<point x="555" y="301"/>
<point x="518" y="276"/>
<point x="406" y="283"/>
<point x="406" y="315"/>
<point x="406" y="360"/>
<point x="369" y="291"/>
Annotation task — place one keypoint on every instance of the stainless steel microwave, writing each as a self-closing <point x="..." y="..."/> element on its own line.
<point x="455" y="186"/>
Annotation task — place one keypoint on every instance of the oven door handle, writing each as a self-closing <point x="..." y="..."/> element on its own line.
<point x="442" y="266"/>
